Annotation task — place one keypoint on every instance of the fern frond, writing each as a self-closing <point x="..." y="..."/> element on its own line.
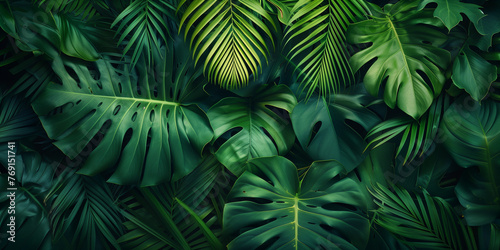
<point x="227" y="33"/>
<point x="319" y="44"/>
<point x="426" y="223"/>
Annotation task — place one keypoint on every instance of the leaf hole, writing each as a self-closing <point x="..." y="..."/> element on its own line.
<point x="134" y="116"/>
<point x="315" y="131"/>
<point x="152" y="116"/>
<point x="98" y="105"/>
<point x="270" y="137"/>
<point x="356" y="127"/>
<point x="268" y="244"/>
<point x="336" y="206"/>
<point x="425" y="79"/>
<point x="117" y="109"/>
<point x="155" y="91"/>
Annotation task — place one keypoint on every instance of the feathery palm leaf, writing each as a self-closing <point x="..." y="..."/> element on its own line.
<point x="85" y="8"/>
<point x="320" y="26"/>
<point x="143" y="22"/>
<point x="227" y="33"/>
<point x="418" y="134"/>
<point x="428" y="222"/>
<point x="17" y="120"/>
<point x="83" y="207"/>
<point x="162" y="216"/>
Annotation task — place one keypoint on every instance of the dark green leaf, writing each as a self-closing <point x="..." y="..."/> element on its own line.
<point x="269" y="206"/>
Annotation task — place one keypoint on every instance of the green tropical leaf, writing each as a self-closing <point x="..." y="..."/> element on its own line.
<point x="228" y="34"/>
<point x="318" y="29"/>
<point x="449" y="11"/>
<point x="404" y="48"/>
<point x="17" y="119"/>
<point x="35" y="73"/>
<point x="84" y="210"/>
<point x="51" y="34"/>
<point x="284" y="9"/>
<point x="85" y="8"/>
<point x="473" y="73"/>
<point x="488" y="25"/>
<point x="268" y="206"/>
<point x="34" y="178"/>
<point x="472" y="135"/>
<point x="158" y="218"/>
<point x="318" y="123"/>
<point x="418" y="134"/>
<point x="142" y="23"/>
<point x="77" y="38"/>
<point x="262" y="131"/>
<point x="489" y="236"/>
<point x="425" y="222"/>
<point x="144" y="119"/>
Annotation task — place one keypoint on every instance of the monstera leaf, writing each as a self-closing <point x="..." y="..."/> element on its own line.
<point x="269" y="206"/>
<point x="139" y="120"/>
<point x="449" y="11"/>
<point x="34" y="178"/>
<point x="473" y="140"/>
<point x="262" y="131"/>
<point x="318" y="123"/>
<point x="404" y="51"/>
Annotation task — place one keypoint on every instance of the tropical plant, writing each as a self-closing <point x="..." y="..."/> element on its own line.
<point x="250" y="124"/>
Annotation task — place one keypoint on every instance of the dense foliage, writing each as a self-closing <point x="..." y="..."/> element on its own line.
<point x="250" y="124"/>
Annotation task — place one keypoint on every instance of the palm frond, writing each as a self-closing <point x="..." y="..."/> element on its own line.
<point x="85" y="8"/>
<point x="418" y="134"/>
<point x="17" y="120"/>
<point x="228" y="34"/>
<point x="318" y="31"/>
<point x="83" y="209"/>
<point x="143" y="22"/>
<point x="176" y="215"/>
<point x="427" y="223"/>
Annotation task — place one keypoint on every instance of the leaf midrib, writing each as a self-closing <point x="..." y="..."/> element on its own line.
<point x="489" y="167"/>
<point x="406" y="66"/>
<point x="132" y="99"/>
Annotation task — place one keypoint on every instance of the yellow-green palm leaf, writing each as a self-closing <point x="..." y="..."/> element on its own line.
<point x="230" y="35"/>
